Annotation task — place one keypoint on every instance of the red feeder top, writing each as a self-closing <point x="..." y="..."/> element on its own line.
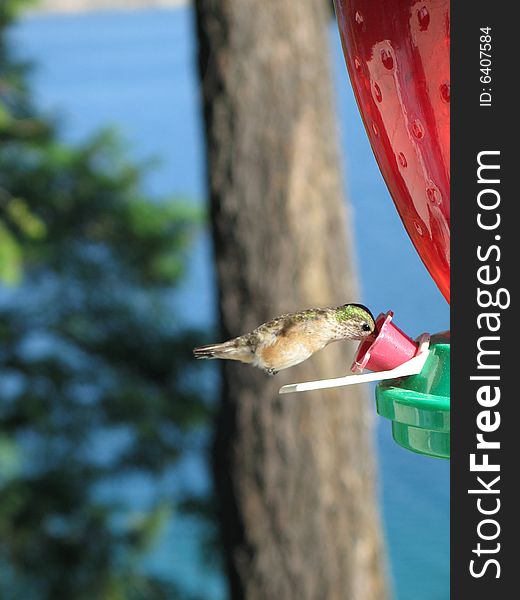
<point x="397" y="55"/>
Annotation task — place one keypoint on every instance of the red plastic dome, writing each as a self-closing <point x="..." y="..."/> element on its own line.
<point x="398" y="58"/>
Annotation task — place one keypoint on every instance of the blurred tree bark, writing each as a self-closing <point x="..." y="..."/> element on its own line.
<point x="294" y="474"/>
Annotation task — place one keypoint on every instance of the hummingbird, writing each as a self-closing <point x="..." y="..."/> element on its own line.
<point x="292" y="338"/>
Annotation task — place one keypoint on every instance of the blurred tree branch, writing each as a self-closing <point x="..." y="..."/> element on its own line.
<point x="96" y="376"/>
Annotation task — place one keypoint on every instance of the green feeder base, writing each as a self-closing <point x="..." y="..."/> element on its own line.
<point x="419" y="405"/>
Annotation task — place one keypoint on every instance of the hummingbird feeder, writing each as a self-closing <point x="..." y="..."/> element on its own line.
<point x="397" y="54"/>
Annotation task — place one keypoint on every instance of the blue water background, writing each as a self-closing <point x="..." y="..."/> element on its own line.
<point x="136" y="70"/>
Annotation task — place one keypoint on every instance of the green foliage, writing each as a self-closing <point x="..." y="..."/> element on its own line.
<point x="96" y="381"/>
<point x="10" y="9"/>
<point x="19" y="124"/>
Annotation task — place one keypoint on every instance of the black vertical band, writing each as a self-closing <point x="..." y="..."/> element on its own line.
<point x="485" y="423"/>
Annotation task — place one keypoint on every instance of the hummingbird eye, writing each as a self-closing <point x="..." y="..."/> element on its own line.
<point x="365" y="326"/>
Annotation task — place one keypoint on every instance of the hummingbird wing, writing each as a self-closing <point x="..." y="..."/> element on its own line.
<point x="289" y="339"/>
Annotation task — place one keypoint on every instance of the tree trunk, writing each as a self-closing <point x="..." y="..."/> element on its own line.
<point x="294" y="474"/>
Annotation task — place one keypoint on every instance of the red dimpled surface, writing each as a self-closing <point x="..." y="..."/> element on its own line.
<point x="397" y="54"/>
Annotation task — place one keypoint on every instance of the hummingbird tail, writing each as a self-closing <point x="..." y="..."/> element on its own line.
<point x="216" y="350"/>
<point x="231" y="350"/>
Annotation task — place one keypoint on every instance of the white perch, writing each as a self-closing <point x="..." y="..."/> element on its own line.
<point x="410" y="367"/>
